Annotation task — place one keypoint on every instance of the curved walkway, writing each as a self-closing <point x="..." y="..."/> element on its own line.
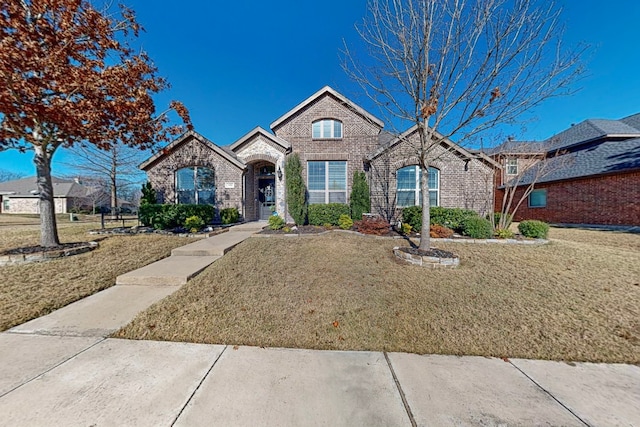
<point x="62" y="370"/>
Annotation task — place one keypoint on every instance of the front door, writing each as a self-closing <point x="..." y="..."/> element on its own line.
<point x="266" y="197"/>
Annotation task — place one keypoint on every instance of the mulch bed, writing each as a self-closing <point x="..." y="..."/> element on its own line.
<point x="28" y="250"/>
<point x="434" y="252"/>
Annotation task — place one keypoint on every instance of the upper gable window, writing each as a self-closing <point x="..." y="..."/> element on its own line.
<point x="512" y="166"/>
<point x="327" y="128"/>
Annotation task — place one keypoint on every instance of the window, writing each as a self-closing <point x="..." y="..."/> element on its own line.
<point x="408" y="186"/>
<point x="327" y="182"/>
<point x="512" y="166"/>
<point x="326" y="128"/>
<point x="195" y="185"/>
<point x="538" y="199"/>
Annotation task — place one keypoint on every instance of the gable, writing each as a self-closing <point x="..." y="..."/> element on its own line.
<point x="409" y="137"/>
<point x="198" y="143"/>
<point x="326" y="104"/>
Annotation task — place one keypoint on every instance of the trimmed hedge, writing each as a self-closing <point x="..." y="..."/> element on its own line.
<point x="477" y="228"/>
<point x="162" y="217"/>
<point x="534" y="229"/>
<point x="229" y="215"/>
<point x="452" y="218"/>
<point x="327" y="214"/>
<point x="412" y="215"/>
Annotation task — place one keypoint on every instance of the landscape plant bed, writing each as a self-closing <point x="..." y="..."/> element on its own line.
<point x="575" y="299"/>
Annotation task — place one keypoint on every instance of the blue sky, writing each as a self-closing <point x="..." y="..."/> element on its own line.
<point x="237" y="65"/>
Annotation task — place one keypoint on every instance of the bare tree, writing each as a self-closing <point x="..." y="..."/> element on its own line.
<point x="533" y="163"/>
<point x="117" y="167"/>
<point x="457" y="68"/>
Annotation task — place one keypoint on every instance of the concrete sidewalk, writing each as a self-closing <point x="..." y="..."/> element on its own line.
<point x="61" y="370"/>
<point x="80" y="381"/>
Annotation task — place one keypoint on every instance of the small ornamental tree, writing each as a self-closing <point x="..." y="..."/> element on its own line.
<point x="68" y="76"/>
<point x="360" y="201"/>
<point x="149" y="196"/>
<point x="296" y="189"/>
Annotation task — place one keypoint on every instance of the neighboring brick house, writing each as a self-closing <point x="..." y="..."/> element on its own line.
<point x="593" y="174"/>
<point x="21" y="196"/>
<point x="334" y="138"/>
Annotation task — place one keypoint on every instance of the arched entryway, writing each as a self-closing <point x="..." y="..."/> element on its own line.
<point x="261" y="190"/>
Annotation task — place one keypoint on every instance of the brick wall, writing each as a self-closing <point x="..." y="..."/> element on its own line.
<point x="360" y="136"/>
<point x="464" y="183"/>
<point x="195" y="153"/>
<point x="607" y="200"/>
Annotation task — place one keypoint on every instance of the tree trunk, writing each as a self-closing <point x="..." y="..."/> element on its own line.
<point x="48" y="226"/>
<point x="113" y="187"/>
<point x="425" y="237"/>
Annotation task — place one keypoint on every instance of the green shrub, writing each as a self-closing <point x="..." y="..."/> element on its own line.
<point x="447" y="217"/>
<point x="478" y="228"/>
<point x="296" y="190"/>
<point x="412" y="215"/>
<point x="360" y="201"/>
<point x="345" y="222"/>
<point x="149" y="196"/>
<point x="194" y="223"/>
<point x="229" y="215"/>
<point x="276" y="222"/>
<point x="327" y="214"/>
<point x="534" y="228"/>
<point x="504" y="233"/>
<point x="452" y="218"/>
<point x="164" y="217"/>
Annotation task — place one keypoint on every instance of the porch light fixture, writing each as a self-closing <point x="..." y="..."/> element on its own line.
<point x="279" y="173"/>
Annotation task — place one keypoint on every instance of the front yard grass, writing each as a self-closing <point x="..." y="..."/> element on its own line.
<point x="575" y="299"/>
<point x="28" y="291"/>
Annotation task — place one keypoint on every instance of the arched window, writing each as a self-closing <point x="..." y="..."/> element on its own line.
<point x="408" y="186"/>
<point x="326" y="129"/>
<point x="195" y="185"/>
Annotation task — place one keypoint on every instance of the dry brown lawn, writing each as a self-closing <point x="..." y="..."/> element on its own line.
<point x="577" y="298"/>
<point x="32" y="290"/>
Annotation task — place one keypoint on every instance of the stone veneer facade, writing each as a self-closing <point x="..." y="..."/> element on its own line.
<point x="465" y="180"/>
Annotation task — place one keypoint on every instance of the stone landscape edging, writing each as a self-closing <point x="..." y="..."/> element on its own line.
<point x="15" y="259"/>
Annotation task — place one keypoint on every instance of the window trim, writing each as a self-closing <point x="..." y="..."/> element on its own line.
<point x="537" y="191"/>
<point x="321" y="123"/>
<point x="511" y="162"/>
<point x="417" y="190"/>
<point x="327" y="191"/>
<point x="195" y="189"/>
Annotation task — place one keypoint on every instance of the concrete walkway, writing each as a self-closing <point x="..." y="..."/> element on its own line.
<point x="61" y="370"/>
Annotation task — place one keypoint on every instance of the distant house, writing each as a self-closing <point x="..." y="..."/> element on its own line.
<point x="597" y="178"/>
<point x="21" y="196"/>
<point x="333" y="137"/>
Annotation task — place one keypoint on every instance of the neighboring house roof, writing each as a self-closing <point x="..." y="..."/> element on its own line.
<point x="260" y="131"/>
<point x="224" y="152"/>
<point x="27" y="187"/>
<point x="516" y="147"/>
<point x="589" y="131"/>
<point x="597" y="158"/>
<point x="388" y="142"/>
<point x="361" y="111"/>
